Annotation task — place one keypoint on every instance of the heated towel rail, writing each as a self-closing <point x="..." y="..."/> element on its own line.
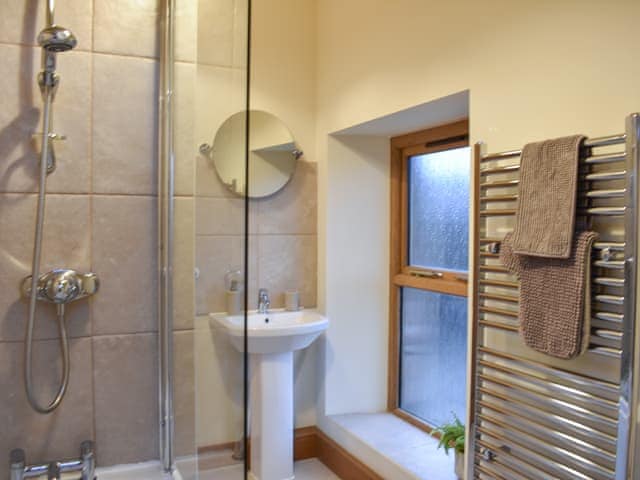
<point x="533" y="416"/>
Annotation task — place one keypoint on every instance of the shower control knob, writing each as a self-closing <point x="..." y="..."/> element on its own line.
<point x="62" y="286"/>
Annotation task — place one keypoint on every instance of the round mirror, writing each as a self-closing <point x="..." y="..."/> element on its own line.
<point x="272" y="154"/>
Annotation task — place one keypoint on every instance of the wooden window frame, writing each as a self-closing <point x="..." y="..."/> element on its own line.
<point x="444" y="137"/>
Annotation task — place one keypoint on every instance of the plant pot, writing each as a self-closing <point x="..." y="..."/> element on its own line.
<point x="459" y="465"/>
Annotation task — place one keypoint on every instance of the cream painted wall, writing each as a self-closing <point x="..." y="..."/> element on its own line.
<point x="357" y="263"/>
<point x="534" y="70"/>
<point x="283" y="66"/>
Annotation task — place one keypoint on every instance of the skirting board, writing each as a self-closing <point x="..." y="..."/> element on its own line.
<point x="310" y="442"/>
<point x="336" y="458"/>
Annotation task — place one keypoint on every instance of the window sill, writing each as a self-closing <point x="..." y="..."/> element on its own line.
<point x="390" y="446"/>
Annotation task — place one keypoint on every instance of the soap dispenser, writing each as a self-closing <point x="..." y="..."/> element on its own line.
<point x="233" y="293"/>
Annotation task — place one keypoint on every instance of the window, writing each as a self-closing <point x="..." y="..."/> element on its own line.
<point x="430" y="173"/>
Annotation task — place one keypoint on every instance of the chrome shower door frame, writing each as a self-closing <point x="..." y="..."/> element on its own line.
<point x="166" y="175"/>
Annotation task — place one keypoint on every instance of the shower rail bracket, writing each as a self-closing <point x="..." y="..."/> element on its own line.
<point x="51" y="155"/>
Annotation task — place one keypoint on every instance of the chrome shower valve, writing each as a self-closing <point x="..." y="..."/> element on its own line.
<point x="62" y="286"/>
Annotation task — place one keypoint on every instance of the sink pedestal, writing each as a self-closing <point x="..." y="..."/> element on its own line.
<point x="271" y="407"/>
<point x="272" y="339"/>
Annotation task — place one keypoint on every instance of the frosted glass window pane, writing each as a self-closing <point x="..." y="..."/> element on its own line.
<point x="439" y="209"/>
<point x="433" y="353"/>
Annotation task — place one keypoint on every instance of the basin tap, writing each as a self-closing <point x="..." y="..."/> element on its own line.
<point x="263" y="301"/>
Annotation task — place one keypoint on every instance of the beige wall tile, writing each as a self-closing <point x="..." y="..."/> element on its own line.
<point x="21" y="20"/>
<point x="184" y="264"/>
<point x="207" y="180"/>
<point x="124" y="233"/>
<point x="45" y="437"/>
<point x="186" y="38"/>
<point x="126" y="398"/>
<point x="220" y="216"/>
<point x="294" y="208"/>
<point x="127" y="28"/>
<point x="288" y="262"/>
<point x="20" y="120"/>
<point x="65" y="244"/>
<point x="184" y="400"/>
<point x="185" y="147"/>
<point x="215" y="31"/>
<point x="124" y="125"/>
<point x="214" y="257"/>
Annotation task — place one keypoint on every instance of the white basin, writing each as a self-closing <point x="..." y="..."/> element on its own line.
<point x="274" y="332"/>
<point x="272" y="338"/>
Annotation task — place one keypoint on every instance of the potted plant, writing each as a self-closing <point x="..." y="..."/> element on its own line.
<point x="452" y="437"/>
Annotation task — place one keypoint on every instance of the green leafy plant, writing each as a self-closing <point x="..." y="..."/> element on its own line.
<point x="451" y="435"/>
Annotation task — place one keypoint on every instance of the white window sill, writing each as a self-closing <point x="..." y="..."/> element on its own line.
<point x="390" y="446"/>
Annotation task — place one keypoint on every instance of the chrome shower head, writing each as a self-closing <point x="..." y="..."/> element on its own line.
<point x="57" y="39"/>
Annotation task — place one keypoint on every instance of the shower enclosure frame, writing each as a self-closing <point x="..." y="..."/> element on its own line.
<point x="166" y="223"/>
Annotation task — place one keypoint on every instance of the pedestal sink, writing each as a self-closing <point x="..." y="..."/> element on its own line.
<point x="272" y="339"/>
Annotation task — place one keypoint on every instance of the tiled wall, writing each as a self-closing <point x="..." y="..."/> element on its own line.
<point x="101" y="217"/>
<point x="282" y="242"/>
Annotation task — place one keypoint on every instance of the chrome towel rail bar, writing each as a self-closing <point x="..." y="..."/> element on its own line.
<point x="533" y="417"/>
<point x="593" y="142"/>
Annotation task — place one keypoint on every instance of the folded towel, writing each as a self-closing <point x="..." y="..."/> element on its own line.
<point x="545" y="214"/>
<point x="555" y="297"/>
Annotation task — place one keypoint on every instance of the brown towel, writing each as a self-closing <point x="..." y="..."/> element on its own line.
<point x="555" y="297"/>
<point x="545" y="214"/>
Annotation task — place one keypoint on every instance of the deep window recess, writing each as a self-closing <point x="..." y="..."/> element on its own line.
<point x="430" y="173"/>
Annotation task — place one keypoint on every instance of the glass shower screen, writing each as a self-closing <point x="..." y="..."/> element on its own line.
<point x="210" y="241"/>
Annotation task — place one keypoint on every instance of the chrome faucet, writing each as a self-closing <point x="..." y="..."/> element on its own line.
<point x="85" y="464"/>
<point x="263" y="301"/>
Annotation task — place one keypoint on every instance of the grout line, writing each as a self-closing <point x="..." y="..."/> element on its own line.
<point x="182" y="330"/>
<point x="36" y="46"/>
<point x="124" y="55"/>
<point x="92" y="51"/>
<point x="227" y="235"/>
<point x="49" y="192"/>
<point x="97" y="194"/>
<point x="90" y="336"/>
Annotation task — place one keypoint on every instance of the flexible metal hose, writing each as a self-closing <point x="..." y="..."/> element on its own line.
<point x="35" y="269"/>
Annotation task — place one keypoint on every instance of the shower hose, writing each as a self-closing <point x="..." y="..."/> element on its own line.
<point x="35" y="269"/>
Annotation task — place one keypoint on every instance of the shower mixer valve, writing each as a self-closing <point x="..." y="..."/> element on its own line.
<point x="62" y="286"/>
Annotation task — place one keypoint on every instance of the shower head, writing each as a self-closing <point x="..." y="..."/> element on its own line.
<point x="57" y="39"/>
<point x="53" y="40"/>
